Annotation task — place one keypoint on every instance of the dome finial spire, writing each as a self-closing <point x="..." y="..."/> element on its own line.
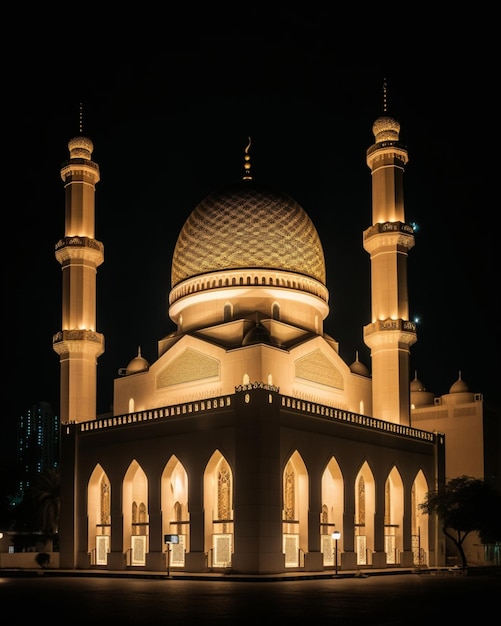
<point x="385" y="96"/>
<point x="247" y="164"/>
<point x="80" y="119"/>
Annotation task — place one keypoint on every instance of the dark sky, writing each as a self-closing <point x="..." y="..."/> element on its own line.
<point x="170" y="115"/>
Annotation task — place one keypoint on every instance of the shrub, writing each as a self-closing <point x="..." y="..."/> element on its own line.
<point x="43" y="559"/>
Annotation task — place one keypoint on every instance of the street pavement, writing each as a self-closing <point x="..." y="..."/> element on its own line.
<point x="396" y="599"/>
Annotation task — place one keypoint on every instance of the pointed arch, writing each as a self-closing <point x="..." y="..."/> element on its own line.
<point x="295" y="510"/>
<point x="332" y="513"/>
<point x="174" y="505"/>
<point x="419" y="521"/>
<point x="365" y="508"/>
<point x="393" y="516"/>
<point x="135" y="514"/>
<point x="218" y="506"/>
<point x="99" y="516"/>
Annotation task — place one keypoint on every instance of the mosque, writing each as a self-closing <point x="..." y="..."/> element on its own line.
<point x="249" y="445"/>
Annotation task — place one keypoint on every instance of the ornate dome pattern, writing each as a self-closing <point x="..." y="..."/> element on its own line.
<point x="248" y="226"/>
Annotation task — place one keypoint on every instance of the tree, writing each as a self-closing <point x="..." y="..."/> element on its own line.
<point x="43" y="559"/>
<point x="464" y="506"/>
<point x="45" y="498"/>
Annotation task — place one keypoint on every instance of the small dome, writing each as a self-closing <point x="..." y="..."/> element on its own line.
<point x="138" y="364"/>
<point x="416" y="384"/>
<point x="459" y="386"/>
<point x="385" y="128"/>
<point x="357" y="367"/>
<point x="247" y="226"/>
<point x="80" y="147"/>
<point x="419" y="396"/>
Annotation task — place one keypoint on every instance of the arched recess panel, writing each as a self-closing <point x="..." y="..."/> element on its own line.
<point x="419" y="521"/>
<point x="175" y="515"/>
<point x="135" y="515"/>
<point x="393" y="517"/>
<point x="332" y="514"/>
<point x="365" y="507"/>
<point x="295" y="511"/>
<point x="99" y="516"/>
<point x="218" y="506"/>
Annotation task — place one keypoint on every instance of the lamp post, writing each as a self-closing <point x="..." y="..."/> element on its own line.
<point x="336" y="535"/>
<point x="168" y="539"/>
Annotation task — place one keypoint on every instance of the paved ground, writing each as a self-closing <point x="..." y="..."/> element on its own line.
<point x="399" y="599"/>
<point x="181" y="575"/>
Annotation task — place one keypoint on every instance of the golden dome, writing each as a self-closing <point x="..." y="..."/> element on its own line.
<point x="247" y="225"/>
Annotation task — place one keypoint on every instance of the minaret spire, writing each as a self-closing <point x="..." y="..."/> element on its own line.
<point x="78" y="343"/>
<point x="390" y="333"/>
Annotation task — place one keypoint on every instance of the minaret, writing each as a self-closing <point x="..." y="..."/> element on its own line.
<point x="78" y="343"/>
<point x="388" y="240"/>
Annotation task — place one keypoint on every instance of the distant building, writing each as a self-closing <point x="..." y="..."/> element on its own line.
<point x="38" y="436"/>
<point x="473" y="433"/>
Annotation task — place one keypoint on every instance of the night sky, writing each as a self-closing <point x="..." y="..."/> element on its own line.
<point x="170" y="119"/>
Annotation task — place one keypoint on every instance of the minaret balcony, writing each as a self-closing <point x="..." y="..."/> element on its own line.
<point x="382" y="331"/>
<point x="388" y="227"/>
<point x="388" y="233"/>
<point x="78" y="339"/>
<point x="78" y="167"/>
<point x="78" y="247"/>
